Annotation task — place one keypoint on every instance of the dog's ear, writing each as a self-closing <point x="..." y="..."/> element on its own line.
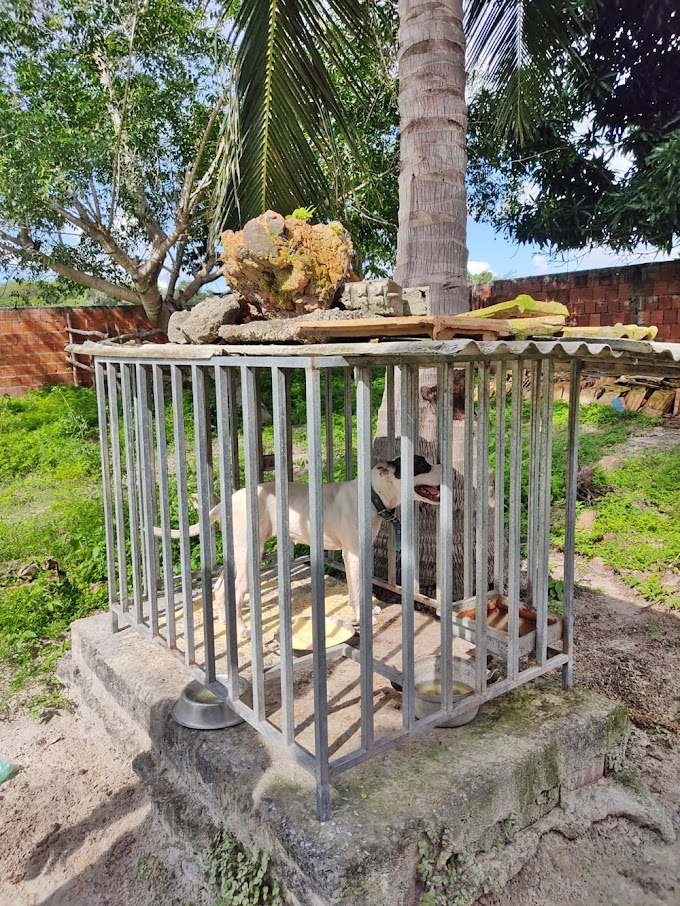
<point x="421" y="465"/>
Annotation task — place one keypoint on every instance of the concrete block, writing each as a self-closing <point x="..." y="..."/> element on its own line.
<point x="456" y="792"/>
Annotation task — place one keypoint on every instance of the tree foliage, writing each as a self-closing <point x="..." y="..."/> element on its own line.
<point x="109" y="137"/>
<point x="603" y="165"/>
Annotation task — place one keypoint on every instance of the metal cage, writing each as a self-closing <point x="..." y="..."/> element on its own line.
<point x="175" y="420"/>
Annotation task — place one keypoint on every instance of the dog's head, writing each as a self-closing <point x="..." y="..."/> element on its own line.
<point x="426" y="481"/>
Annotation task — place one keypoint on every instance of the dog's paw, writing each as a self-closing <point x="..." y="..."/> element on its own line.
<point x="243" y="632"/>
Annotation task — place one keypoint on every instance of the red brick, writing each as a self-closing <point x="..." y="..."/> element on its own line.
<point x="624" y="292"/>
<point x="671" y="316"/>
<point x="594" y="320"/>
<point x="666" y="303"/>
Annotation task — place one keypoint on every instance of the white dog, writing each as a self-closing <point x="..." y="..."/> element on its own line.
<point x="340" y="527"/>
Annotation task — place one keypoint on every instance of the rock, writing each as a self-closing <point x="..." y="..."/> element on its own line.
<point x="286" y="266"/>
<point x="610" y="462"/>
<point x="416" y="300"/>
<point x="202" y="323"/>
<point x="373" y="297"/>
<point x="281" y="330"/>
<point x="586" y="519"/>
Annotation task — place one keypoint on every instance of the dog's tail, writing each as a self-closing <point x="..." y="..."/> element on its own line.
<point x="194" y="530"/>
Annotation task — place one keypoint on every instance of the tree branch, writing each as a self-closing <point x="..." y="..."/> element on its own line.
<point x="176" y="267"/>
<point x="99" y="233"/>
<point x="26" y="248"/>
<point x="203" y="276"/>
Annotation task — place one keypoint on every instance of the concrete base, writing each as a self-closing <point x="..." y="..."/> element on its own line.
<point x="431" y="807"/>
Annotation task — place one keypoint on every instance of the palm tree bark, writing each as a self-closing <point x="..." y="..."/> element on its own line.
<point x="431" y="242"/>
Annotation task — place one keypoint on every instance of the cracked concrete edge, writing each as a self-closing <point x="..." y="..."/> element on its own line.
<point x="623" y="796"/>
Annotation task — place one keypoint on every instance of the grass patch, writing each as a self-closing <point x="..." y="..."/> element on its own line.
<point x="51" y="516"/>
<point x="637" y="528"/>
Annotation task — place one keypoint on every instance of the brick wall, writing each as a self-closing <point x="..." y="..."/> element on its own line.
<point x="32" y="342"/>
<point x="637" y="294"/>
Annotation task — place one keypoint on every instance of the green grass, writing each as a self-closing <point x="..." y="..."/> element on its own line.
<point x="637" y="528"/>
<point x="51" y="515"/>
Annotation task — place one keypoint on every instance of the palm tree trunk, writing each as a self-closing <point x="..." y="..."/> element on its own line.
<point x="431" y="242"/>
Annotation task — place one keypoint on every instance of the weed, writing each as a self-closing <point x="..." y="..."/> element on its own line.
<point x="51" y="516"/>
<point x="239" y="878"/>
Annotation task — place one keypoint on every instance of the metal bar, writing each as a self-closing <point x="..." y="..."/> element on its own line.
<point x="289" y="440"/>
<point x="164" y="495"/>
<point x="416" y="449"/>
<point x="248" y="389"/>
<point x="258" y="421"/>
<point x="534" y="455"/>
<point x="391" y="453"/>
<point x="543" y="513"/>
<point x="112" y="386"/>
<point x="177" y="388"/>
<point x="100" y="384"/>
<point x="205" y="501"/>
<point x="570" y="524"/>
<point x="233" y="422"/>
<point x="142" y="478"/>
<point x="316" y="539"/>
<point x="445" y="559"/>
<point x="469" y="484"/>
<point x="226" y="419"/>
<point x="499" y="489"/>
<point x="349" y="471"/>
<point x="131" y="475"/>
<point x="328" y="406"/>
<point x="363" y="569"/>
<point x="409" y="415"/>
<point x="482" y="528"/>
<point x="515" y="520"/>
<point x="148" y="480"/>
<point x="281" y="415"/>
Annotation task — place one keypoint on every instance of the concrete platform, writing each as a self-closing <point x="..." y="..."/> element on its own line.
<point x="440" y="801"/>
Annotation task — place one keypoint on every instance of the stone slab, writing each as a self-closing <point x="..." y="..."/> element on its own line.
<point x="508" y="768"/>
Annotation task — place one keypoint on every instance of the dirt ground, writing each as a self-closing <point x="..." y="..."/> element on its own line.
<point x="76" y="827"/>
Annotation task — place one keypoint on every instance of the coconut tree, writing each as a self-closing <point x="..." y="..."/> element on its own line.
<point x="285" y="51"/>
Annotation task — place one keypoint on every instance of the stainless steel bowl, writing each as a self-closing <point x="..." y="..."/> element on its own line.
<point x="427" y="672"/>
<point x="200" y="709"/>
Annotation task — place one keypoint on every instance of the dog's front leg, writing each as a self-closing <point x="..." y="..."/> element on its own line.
<point x="353" y="575"/>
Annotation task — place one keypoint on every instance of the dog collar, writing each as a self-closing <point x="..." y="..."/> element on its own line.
<point x="388" y="515"/>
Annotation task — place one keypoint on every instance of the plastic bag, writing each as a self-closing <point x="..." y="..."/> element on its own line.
<point x="7" y="769"/>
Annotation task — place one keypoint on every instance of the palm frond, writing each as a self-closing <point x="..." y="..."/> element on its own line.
<point x="286" y="96"/>
<point x="520" y="45"/>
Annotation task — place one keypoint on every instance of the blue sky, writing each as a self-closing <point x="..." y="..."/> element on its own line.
<point x="488" y="249"/>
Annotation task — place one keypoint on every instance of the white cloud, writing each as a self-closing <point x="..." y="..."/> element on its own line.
<point x="540" y="263"/>
<point x="478" y="267"/>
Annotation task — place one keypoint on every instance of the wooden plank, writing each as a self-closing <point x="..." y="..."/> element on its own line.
<point x="659" y="403"/>
<point x="366" y="328"/>
<point x="676" y="404"/>
<point x="634" y="398"/>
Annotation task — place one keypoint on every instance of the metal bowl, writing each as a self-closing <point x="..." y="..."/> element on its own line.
<point x="198" y="708"/>
<point x="427" y="673"/>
